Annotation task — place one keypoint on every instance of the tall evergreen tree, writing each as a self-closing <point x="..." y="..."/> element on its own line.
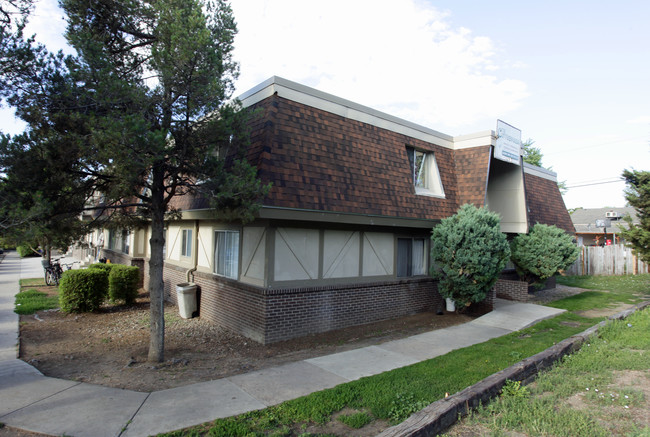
<point x="638" y="196"/>
<point x="158" y="77"/>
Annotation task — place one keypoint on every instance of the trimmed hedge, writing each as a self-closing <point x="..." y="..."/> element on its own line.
<point x="82" y="290"/>
<point x="102" y="266"/>
<point x="123" y="283"/>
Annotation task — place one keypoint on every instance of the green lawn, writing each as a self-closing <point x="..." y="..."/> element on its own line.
<point x="611" y="291"/>
<point x="35" y="296"/>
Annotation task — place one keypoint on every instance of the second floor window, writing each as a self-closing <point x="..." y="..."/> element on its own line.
<point x="424" y="169"/>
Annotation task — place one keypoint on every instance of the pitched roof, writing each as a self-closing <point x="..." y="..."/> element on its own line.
<point x="584" y="220"/>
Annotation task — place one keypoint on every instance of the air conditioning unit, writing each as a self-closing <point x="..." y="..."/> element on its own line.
<point x="611" y="214"/>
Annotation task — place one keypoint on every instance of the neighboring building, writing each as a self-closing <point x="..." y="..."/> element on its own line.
<point x="343" y="237"/>
<point x="601" y="226"/>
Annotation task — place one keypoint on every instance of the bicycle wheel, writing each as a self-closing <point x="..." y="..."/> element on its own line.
<point x="49" y="277"/>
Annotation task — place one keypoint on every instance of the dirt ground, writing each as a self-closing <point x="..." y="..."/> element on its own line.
<point x="110" y="347"/>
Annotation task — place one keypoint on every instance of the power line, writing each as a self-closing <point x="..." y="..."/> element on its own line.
<point x="620" y="140"/>
<point x="595" y="183"/>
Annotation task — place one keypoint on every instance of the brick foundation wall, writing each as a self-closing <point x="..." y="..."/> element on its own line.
<point x="512" y="290"/>
<point x="295" y="313"/>
<point x="510" y="287"/>
<point x="269" y="316"/>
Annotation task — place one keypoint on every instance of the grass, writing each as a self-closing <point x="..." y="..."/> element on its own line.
<point x="356" y="420"/>
<point x="620" y="290"/>
<point x="32" y="282"/>
<point x="29" y="300"/>
<point x="396" y="394"/>
<point x="588" y="375"/>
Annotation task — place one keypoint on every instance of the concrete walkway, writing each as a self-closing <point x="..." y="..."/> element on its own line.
<point x="53" y="406"/>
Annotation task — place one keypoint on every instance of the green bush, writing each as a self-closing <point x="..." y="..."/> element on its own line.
<point x="542" y="253"/>
<point x="469" y="252"/>
<point x="24" y="250"/>
<point x="123" y="283"/>
<point x="102" y="266"/>
<point x="82" y="290"/>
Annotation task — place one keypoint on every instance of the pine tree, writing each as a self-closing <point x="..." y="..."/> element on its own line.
<point x="638" y="196"/>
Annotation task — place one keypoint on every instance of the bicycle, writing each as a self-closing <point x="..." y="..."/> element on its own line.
<point x="54" y="271"/>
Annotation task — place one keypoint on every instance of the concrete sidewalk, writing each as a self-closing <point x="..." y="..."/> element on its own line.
<point x="53" y="406"/>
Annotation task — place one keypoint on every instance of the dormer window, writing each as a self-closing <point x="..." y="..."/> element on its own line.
<point x="426" y="176"/>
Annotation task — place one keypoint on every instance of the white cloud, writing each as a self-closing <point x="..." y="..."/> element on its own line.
<point x="403" y="57"/>
<point x="643" y="119"/>
<point x="47" y="21"/>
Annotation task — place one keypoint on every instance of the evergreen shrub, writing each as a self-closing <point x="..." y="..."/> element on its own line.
<point x="123" y="283"/>
<point x="82" y="290"/>
<point x="543" y="252"/>
<point x="469" y="251"/>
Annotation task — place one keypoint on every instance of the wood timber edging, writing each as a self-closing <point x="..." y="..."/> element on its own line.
<point x="443" y="413"/>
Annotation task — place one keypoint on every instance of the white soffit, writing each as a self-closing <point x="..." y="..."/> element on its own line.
<point x="345" y="108"/>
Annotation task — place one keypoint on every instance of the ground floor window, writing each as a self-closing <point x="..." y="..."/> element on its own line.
<point x="411" y="257"/>
<point x="226" y="253"/>
<point x="186" y="243"/>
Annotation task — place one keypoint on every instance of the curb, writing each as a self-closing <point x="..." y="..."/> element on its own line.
<point x="443" y="413"/>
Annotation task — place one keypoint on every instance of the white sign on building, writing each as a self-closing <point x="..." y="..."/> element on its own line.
<point x="508" y="147"/>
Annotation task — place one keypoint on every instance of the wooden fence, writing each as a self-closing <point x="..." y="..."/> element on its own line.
<point x="607" y="261"/>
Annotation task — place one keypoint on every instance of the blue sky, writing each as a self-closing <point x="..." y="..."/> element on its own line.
<point x="572" y="75"/>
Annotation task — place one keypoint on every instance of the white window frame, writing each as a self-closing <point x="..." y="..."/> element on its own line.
<point x="186" y="243"/>
<point x="229" y="268"/>
<point x="425" y="173"/>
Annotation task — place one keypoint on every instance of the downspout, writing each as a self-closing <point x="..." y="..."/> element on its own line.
<point x="195" y="246"/>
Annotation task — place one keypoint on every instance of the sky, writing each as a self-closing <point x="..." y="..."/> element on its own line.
<point x="572" y="75"/>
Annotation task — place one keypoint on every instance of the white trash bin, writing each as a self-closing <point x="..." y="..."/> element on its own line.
<point x="186" y="297"/>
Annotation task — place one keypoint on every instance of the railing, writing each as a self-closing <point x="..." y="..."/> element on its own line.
<point x="607" y="261"/>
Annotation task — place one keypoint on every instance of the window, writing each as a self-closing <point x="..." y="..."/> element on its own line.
<point x="226" y="254"/>
<point x="426" y="176"/>
<point x="411" y="257"/>
<point x="186" y="243"/>
<point x="125" y="242"/>
<point x="112" y="239"/>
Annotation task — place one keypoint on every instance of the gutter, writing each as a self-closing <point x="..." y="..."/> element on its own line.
<point x="195" y="255"/>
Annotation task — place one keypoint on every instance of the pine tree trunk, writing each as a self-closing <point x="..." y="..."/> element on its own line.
<point x="156" y="284"/>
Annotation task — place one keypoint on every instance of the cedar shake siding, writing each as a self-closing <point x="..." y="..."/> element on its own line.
<point x="545" y="203"/>
<point x="320" y="161"/>
<point x="471" y="174"/>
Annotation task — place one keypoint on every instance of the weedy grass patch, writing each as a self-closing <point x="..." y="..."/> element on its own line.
<point x="587" y="375"/>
